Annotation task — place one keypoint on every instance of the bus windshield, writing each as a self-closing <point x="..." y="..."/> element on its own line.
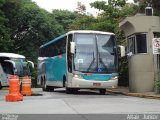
<point x="21" y="66"/>
<point x="95" y="53"/>
<point x="18" y="59"/>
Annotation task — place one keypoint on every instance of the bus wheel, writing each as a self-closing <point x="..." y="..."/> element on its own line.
<point x="68" y="90"/>
<point x="71" y="90"/>
<point x="45" y="87"/>
<point x="51" y="88"/>
<point x="102" y="91"/>
<point x="64" y="81"/>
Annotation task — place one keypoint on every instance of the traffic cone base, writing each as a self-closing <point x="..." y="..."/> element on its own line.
<point x="14" y="98"/>
<point x="27" y="93"/>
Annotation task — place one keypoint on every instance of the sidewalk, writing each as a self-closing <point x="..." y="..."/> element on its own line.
<point x="125" y="91"/>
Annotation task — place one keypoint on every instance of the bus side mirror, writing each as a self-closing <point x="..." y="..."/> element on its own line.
<point x="30" y="62"/>
<point x="121" y="50"/>
<point x="72" y="46"/>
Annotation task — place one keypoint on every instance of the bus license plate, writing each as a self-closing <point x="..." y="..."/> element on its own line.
<point x="96" y="84"/>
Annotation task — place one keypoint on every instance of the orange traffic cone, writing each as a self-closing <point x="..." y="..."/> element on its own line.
<point x="26" y="86"/>
<point x="14" y="90"/>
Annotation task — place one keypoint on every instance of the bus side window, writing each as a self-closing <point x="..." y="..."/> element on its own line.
<point x="69" y="55"/>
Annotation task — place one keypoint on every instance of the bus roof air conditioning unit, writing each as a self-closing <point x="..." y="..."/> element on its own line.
<point x="149" y="11"/>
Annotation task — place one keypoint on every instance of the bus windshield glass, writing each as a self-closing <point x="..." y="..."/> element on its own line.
<point x="21" y="66"/>
<point x="18" y="59"/>
<point x="95" y="53"/>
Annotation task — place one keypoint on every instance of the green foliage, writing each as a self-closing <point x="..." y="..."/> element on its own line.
<point x="83" y="22"/>
<point x="29" y="27"/>
<point x="157" y="84"/>
<point x="108" y="20"/>
<point x="24" y="27"/>
<point x="64" y="18"/>
<point x="144" y="3"/>
<point x="5" y="42"/>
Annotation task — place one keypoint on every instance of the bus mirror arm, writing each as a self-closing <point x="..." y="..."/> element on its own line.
<point x="122" y="50"/>
<point x="72" y="46"/>
<point x="31" y="63"/>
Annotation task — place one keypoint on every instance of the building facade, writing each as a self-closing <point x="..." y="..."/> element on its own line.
<point x="143" y="64"/>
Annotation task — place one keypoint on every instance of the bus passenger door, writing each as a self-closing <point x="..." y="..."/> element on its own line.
<point x="69" y="60"/>
<point x="3" y="77"/>
<point x="8" y="67"/>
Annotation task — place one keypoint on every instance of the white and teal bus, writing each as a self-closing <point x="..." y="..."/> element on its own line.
<point x="12" y="64"/>
<point x="81" y="59"/>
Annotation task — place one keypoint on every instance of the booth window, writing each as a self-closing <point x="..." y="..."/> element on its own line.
<point x="137" y="43"/>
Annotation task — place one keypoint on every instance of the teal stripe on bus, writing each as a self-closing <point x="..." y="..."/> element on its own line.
<point x="100" y="77"/>
<point x="52" y="41"/>
<point x="56" y="68"/>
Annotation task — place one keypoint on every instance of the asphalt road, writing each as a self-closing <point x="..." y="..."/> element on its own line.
<point x="84" y="102"/>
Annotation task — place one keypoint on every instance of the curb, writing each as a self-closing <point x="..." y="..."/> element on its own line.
<point x="141" y="95"/>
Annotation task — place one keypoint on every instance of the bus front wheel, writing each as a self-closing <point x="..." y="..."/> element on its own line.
<point x="71" y="90"/>
<point x="68" y="90"/>
<point x="45" y="87"/>
<point x="102" y="91"/>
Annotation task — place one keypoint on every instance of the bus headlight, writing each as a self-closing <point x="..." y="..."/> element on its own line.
<point x="114" y="78"/>
<point x="77" y="76"/>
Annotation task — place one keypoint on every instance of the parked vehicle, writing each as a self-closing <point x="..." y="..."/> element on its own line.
<point x="12" y="64"/>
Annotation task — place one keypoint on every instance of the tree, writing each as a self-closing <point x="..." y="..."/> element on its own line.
<point x="24" y="27"/>
<point x="83" y="22"/>
<point x="64" y="18"/>
<point x="108" y="20"/>
<point x="5" y="42"/>
<point x="30" y="26"/>
<point x="81" y="8"/>
<point x="153" y="3"/>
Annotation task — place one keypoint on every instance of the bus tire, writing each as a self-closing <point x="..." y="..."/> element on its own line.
<point x="45" y="87"/>
<point x="51" y="88"/>
<point x="68" y="90"/>
<point x="102" y="91"/>
<point x="71" y="90"/>
<point x="64" y="81"/>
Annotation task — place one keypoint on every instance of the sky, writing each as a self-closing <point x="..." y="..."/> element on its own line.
<point x="67" y="5"/>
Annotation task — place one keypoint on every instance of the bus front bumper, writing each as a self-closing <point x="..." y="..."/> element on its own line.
<point x="82" y="83"/>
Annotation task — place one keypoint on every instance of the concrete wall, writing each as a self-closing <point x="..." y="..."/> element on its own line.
<point x="137" y="24"/>
<point x="141" y="73"/>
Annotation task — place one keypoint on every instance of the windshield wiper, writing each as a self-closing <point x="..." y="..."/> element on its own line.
<point x="91" y="63"/>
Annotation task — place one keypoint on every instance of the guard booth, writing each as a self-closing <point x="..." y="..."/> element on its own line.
<point x="142" y="63"/>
